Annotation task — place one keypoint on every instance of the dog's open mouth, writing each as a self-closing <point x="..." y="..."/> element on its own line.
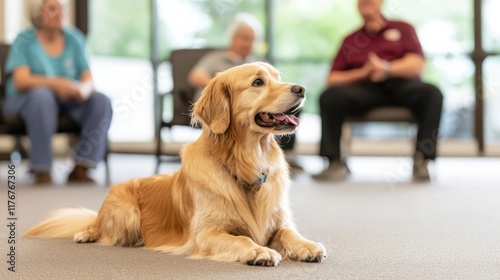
<point x="278" y="121"/>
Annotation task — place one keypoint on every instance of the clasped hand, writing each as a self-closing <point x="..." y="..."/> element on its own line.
<point x="377" y="69"/>
<point x="67" y="90"/>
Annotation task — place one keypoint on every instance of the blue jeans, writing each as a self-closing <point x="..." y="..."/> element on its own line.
<point x="40" y="107"/>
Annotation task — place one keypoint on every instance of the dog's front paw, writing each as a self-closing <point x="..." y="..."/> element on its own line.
<point x="308" y="251"/>
<point x="261" y="256"/>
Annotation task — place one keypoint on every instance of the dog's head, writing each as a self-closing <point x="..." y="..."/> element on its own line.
<point x="250" y="97"/>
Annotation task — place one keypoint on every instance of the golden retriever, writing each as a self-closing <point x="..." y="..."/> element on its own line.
<point x="229" y="200"/>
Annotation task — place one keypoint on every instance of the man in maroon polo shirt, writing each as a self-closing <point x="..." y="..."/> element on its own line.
<point x="378" y="65"/>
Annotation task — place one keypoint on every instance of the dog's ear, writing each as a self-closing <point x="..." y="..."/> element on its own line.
<point x="213" y="108"/>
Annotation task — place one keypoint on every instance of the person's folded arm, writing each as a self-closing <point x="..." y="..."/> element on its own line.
<point x="409" y="67"/>
<point x="24" y="80"/>
<point x="345" y="77"/>
<point x="198" y="78"/>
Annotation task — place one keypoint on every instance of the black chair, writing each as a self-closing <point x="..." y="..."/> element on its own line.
<point x="15" y="127"/>
<point x="182" y="61"/>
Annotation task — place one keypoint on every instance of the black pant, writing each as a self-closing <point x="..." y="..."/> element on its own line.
<point x="338" y="102"/>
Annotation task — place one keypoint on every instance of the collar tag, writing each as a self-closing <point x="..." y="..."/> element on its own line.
<point x="263" y="178"/>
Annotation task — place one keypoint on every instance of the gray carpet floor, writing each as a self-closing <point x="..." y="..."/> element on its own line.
<point x="376" y="225"/>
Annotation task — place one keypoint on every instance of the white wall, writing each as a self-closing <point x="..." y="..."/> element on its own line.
<point x="2" y="24"/>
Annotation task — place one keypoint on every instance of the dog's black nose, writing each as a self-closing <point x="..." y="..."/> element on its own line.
<point x="300" y="91"/>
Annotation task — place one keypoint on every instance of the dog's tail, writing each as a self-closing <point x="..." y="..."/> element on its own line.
<point x="63" y="223"/>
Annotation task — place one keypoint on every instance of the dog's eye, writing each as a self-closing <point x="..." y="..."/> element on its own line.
<point x="258" y="83"/>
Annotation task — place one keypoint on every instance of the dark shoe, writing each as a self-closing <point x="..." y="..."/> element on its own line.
<point x="420" y="171"/>
<point x="79" y="175"/>
<point x="43" y="178"/>
<point x="336" y="171"/>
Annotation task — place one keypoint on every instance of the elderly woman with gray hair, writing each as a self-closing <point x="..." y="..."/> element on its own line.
<point x="242" y="32"/>
<point x="48" y="73"/>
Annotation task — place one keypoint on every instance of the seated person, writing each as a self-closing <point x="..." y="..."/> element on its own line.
<point x="48" y="73"/>
<point x="243" y="31"/>
<point x="380" y="64"/>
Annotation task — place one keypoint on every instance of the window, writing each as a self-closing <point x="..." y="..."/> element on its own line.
<point x="491" y="82"/>
<point x="202" y="23"/>
<point x="491" y="25"/>
<point x="119" y="47"/>
<point x="446" y="35"/>
<point x="491" y="85"/>
<point x="307" y="36"/>
<point x="13" y="19"/>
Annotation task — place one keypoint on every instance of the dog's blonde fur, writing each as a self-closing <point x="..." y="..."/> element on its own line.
<point x="206" y="208"/>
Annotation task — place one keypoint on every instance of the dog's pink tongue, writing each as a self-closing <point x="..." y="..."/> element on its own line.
<point x="291" y="118"/>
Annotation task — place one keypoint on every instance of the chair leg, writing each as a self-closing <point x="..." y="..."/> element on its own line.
<point x="161" y="100"/>
<point x="158" y="151"/>
<point x="106" y="166"/>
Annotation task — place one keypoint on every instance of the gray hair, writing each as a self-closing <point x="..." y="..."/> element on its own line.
<point x="243" y="21"/>
<point x="34" y="9"/>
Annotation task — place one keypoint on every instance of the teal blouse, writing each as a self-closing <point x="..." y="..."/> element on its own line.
<point x="27" y="51"/>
